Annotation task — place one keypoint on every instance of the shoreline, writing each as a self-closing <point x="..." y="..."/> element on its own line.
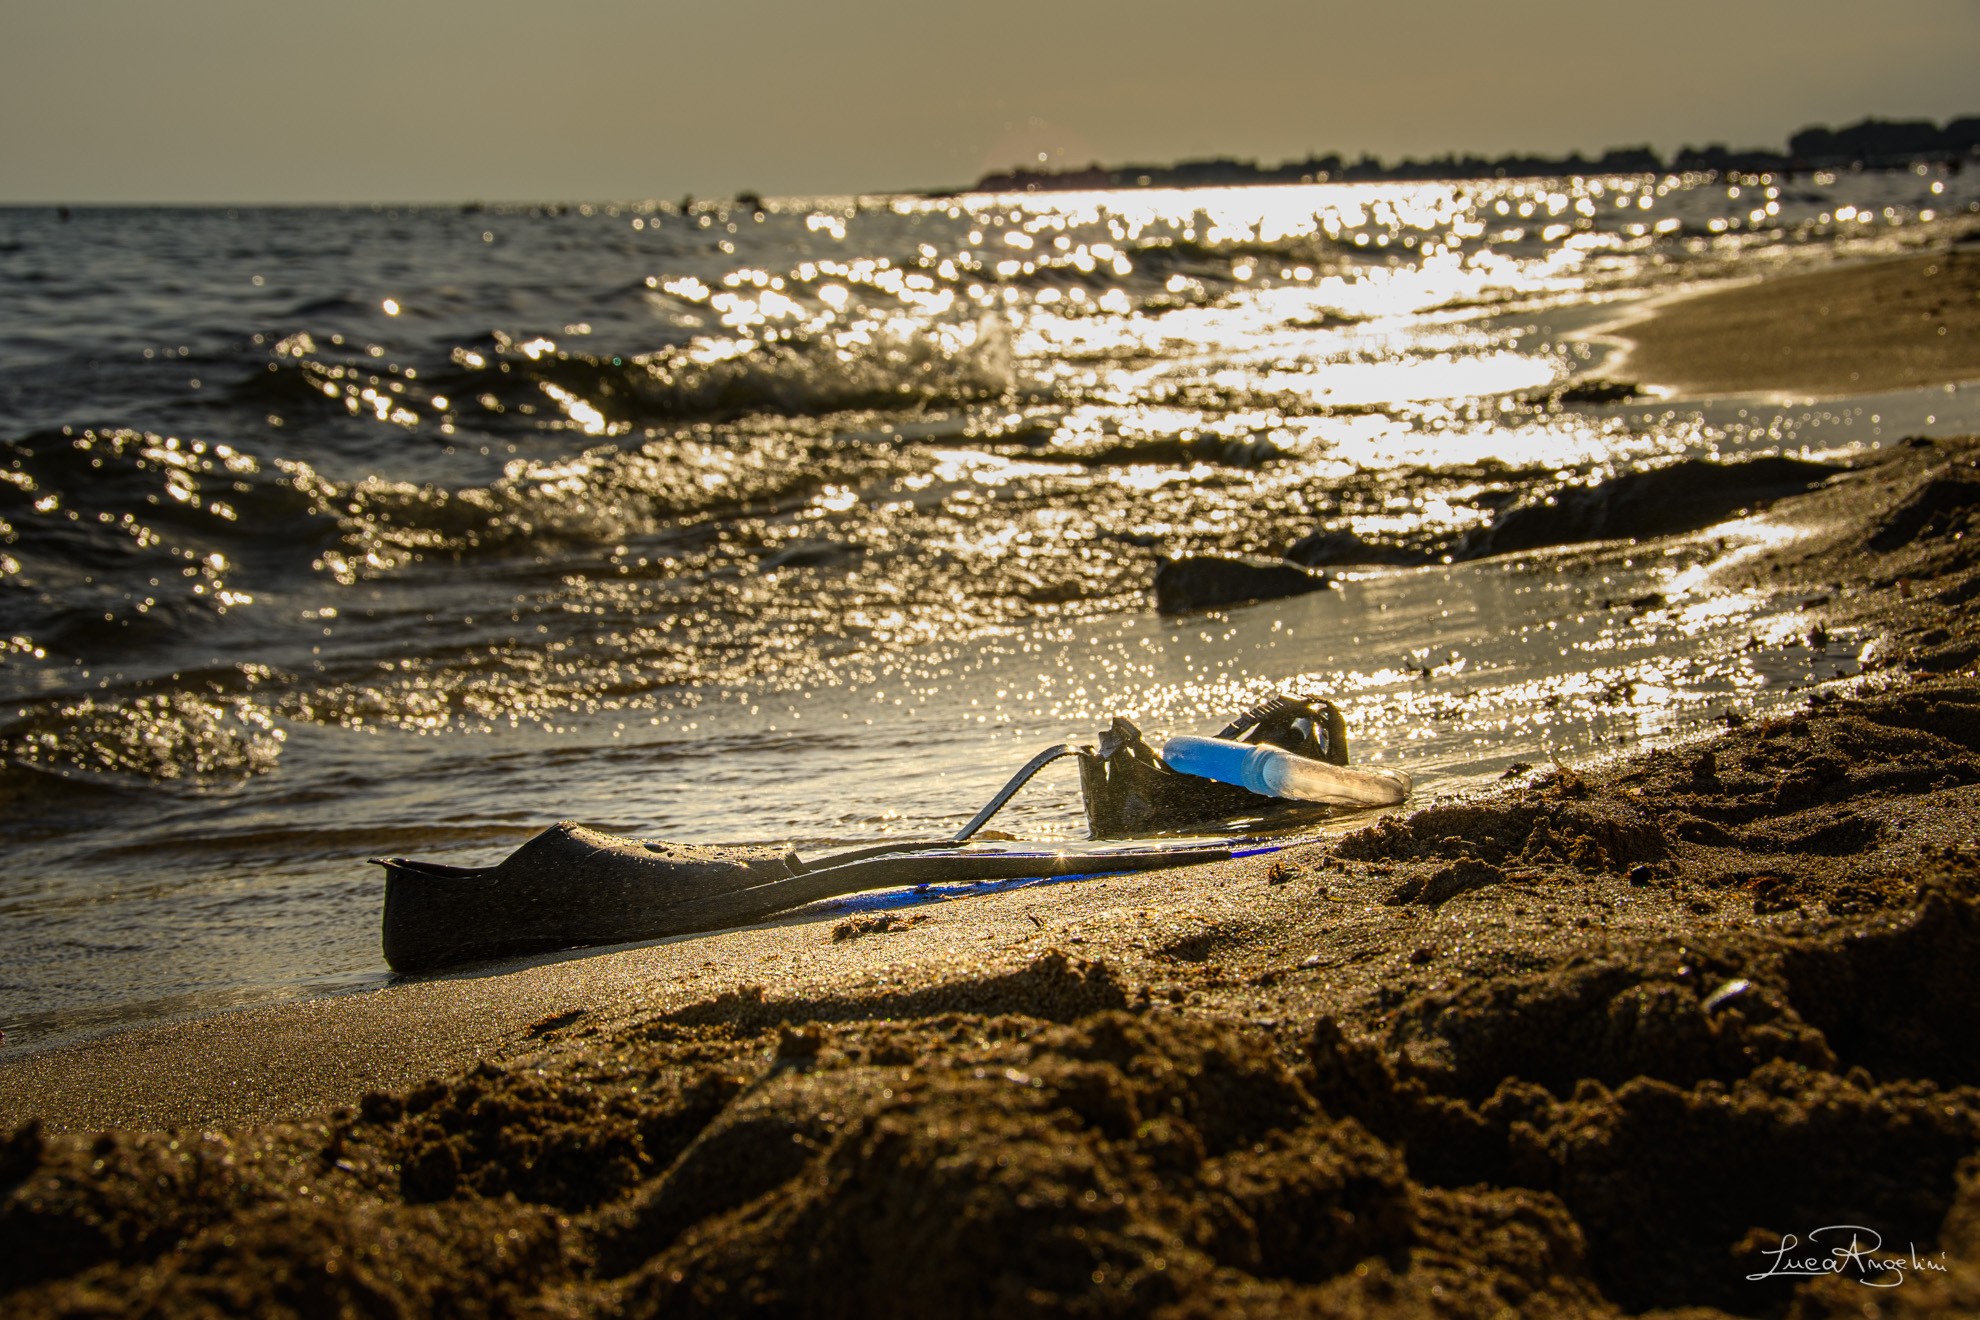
<point x="354" y="1040"/>
<point x="190" y="1071"/>
<point x="1900" y="323"/>
<point x="1451" y="1055"/>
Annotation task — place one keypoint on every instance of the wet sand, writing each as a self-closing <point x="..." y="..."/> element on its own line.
<point x="1594" y="1042"/>
<point x="1858" y="329"/>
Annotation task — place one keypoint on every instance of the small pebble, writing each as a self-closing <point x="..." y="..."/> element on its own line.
<point x="1726" y="993"/>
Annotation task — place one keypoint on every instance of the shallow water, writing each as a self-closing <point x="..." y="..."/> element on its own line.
<point x="325" y="534"/>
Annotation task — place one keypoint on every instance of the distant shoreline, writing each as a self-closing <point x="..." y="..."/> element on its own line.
<point x="1871" y="144"/>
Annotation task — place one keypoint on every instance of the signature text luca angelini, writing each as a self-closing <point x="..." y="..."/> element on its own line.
<point x="1824" y="1253"/>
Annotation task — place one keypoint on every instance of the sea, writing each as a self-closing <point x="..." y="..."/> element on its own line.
<point x="335" y="533"/>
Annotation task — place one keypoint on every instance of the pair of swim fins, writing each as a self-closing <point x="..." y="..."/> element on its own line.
<point x="573" y="887"/>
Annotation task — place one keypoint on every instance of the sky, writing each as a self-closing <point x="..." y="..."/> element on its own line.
<point x="217" y="101"/>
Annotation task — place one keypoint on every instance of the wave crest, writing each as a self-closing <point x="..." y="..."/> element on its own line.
<point x="163" y="737"/>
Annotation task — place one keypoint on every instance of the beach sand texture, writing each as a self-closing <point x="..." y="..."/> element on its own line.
<point x="1860" y="329"/>
<point x="1588" y="1044"/>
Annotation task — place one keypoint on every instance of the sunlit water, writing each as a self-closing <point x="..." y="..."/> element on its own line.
<point x="326" y="534"/>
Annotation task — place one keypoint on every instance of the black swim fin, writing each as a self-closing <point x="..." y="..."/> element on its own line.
<point x="572" y="887"/>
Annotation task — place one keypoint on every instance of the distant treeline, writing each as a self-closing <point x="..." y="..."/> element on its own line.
<point x="1872" y="144"/>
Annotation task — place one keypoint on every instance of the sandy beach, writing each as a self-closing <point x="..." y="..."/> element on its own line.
<point x="1597" y="1042"/>
<point x="1858" y="329"/>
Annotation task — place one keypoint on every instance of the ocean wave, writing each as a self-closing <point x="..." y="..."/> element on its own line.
<point x="150" y="738"/>
<point x="123" y="539"/>
<point x="101" y="532"/>
<point x="867" y="365"/>
<point x="819" y="339"/>
<point x="506" y="386"/>
<point x="1246" y="451"/>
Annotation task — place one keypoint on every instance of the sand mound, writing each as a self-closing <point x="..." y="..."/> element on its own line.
<point x="1627" y="1128"/>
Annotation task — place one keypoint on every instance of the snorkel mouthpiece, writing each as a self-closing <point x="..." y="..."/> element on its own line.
<point x="1275" y="772"/>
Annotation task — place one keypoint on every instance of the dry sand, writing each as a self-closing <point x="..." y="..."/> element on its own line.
<point x="1593" y="1043"/>
<point x="1861" y="329"/>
